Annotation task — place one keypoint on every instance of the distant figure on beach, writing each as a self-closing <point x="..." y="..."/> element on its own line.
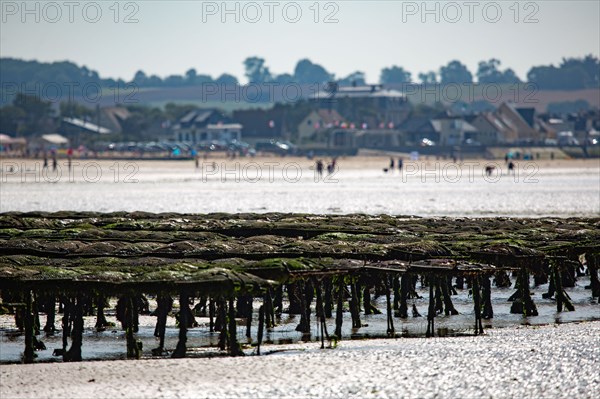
<point x="506" y="158"/>
<point x="69" y="157"/>
<point x="45" y="160"/>
<point x="196" y="158"/>
<point x="552" y="156"/>
<point x="319" y="167"/>
<point x="400" y="164"/>
<point x="331" y="166"/>
<point x="392" y="165"/>
<point x="511" y="167"/>
<point x="54" y="162"/>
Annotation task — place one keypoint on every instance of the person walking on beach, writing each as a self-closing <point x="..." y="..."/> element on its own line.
<point x="69" y="157"/>
<point x="45" y="160"/>
<point x="319" y="168"/>
<point x="511" y="167"/>
<point x="400" y="164"/>
<point x="54" y="162"/>
<point x="392" y="164"/>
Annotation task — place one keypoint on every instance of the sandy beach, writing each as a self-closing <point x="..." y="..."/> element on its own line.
<point x="428" y="187"/>
<point x="527" y="361"/>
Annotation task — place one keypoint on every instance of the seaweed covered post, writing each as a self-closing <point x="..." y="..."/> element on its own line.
<point x="562" y="298"/>
<point x="320" y="312"/>
<point x="180" y="349"/>
<point x="405" y="287"/>
<point x="133" y="350"/>
<point x="354" y="304"/>
<point x="101" y="322"/>
<point x="66" y="323"/>
<point x="269" y="309"/>
<point x="234" y="346"/>
<point x="212" y="311"/>
<point x="593" y="263"/>
<point x="221" y="324"/>
<point x="339" y="316"/>
<point x="369" y="282"/>
<point x="486" y="290"/>
<point x="164" y="304"/>
<point x="248" y="316"/>
<point x="74" y="353"/>
<point x="477" y="304"/>
<point x="431" y="311"/>
<point x="306" y="293"/>
<point x="522" y="302"/>
<point x="29" y="354"/>
<point x="49" y="301"/>
<point x="261" y="326"/>
<point x="445" y="288"/>
<point x="396" y="290"/>
<point x="328" y="305"/>
<point x="388" y="299"/>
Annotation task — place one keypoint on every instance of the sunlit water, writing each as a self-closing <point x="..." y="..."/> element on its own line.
<point x="533" y="191"/>
<point x="111" y="343"/>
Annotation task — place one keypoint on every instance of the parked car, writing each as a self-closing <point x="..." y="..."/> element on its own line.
<point x="276" y="147"/>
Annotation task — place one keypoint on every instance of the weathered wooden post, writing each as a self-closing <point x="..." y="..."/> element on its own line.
<point x="74" y="353"/>
<point x="261" y="326"/>
<point x="234" y="346"/>
<point x="486" y="288"/>
<point x="339" y="316"/>
<point x="477" y="305"/>
<point x="431" y="311"/>
<point x="28" y="355"/>
<point x="133" y="351"/>
<point x="390" y="318"/>
<point x="180" y="349"/>
<point x="164" y="304"/>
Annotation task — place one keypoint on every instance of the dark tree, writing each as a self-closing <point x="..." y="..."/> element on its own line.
<point x="394" y="74"/>
<point x="256" y="71"/>
<point x="308" y="73"/>
<point x="455" y="72"/>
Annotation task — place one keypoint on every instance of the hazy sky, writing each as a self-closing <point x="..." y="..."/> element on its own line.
<point x="170" y="37"/>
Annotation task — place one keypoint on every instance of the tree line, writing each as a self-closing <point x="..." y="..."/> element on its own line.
<point x="570" y="74"/>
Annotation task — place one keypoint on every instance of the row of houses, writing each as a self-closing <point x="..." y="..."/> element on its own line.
<point x="374" y="117"/>
<point x="327" y="127"/>
<point x="369" y="116"/>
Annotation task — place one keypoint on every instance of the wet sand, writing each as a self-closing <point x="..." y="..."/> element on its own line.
<point x="560" y="188"/>
<point x="527" y="361"/>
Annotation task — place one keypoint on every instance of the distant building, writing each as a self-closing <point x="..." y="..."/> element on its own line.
<point x="490" y="129"/>
<point x="200" y="125"/>
<point x="80" y="130"/>
<point x="454" y="131"/>
<point x="370" y="104"/>
<point x="113" y="118"/>
<point x="316" y="121"/>
<point x="520" y="124"/>
<point x="416" y="129"/>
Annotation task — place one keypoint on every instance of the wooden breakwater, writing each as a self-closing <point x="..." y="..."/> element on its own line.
<point x="79" y="260"/>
